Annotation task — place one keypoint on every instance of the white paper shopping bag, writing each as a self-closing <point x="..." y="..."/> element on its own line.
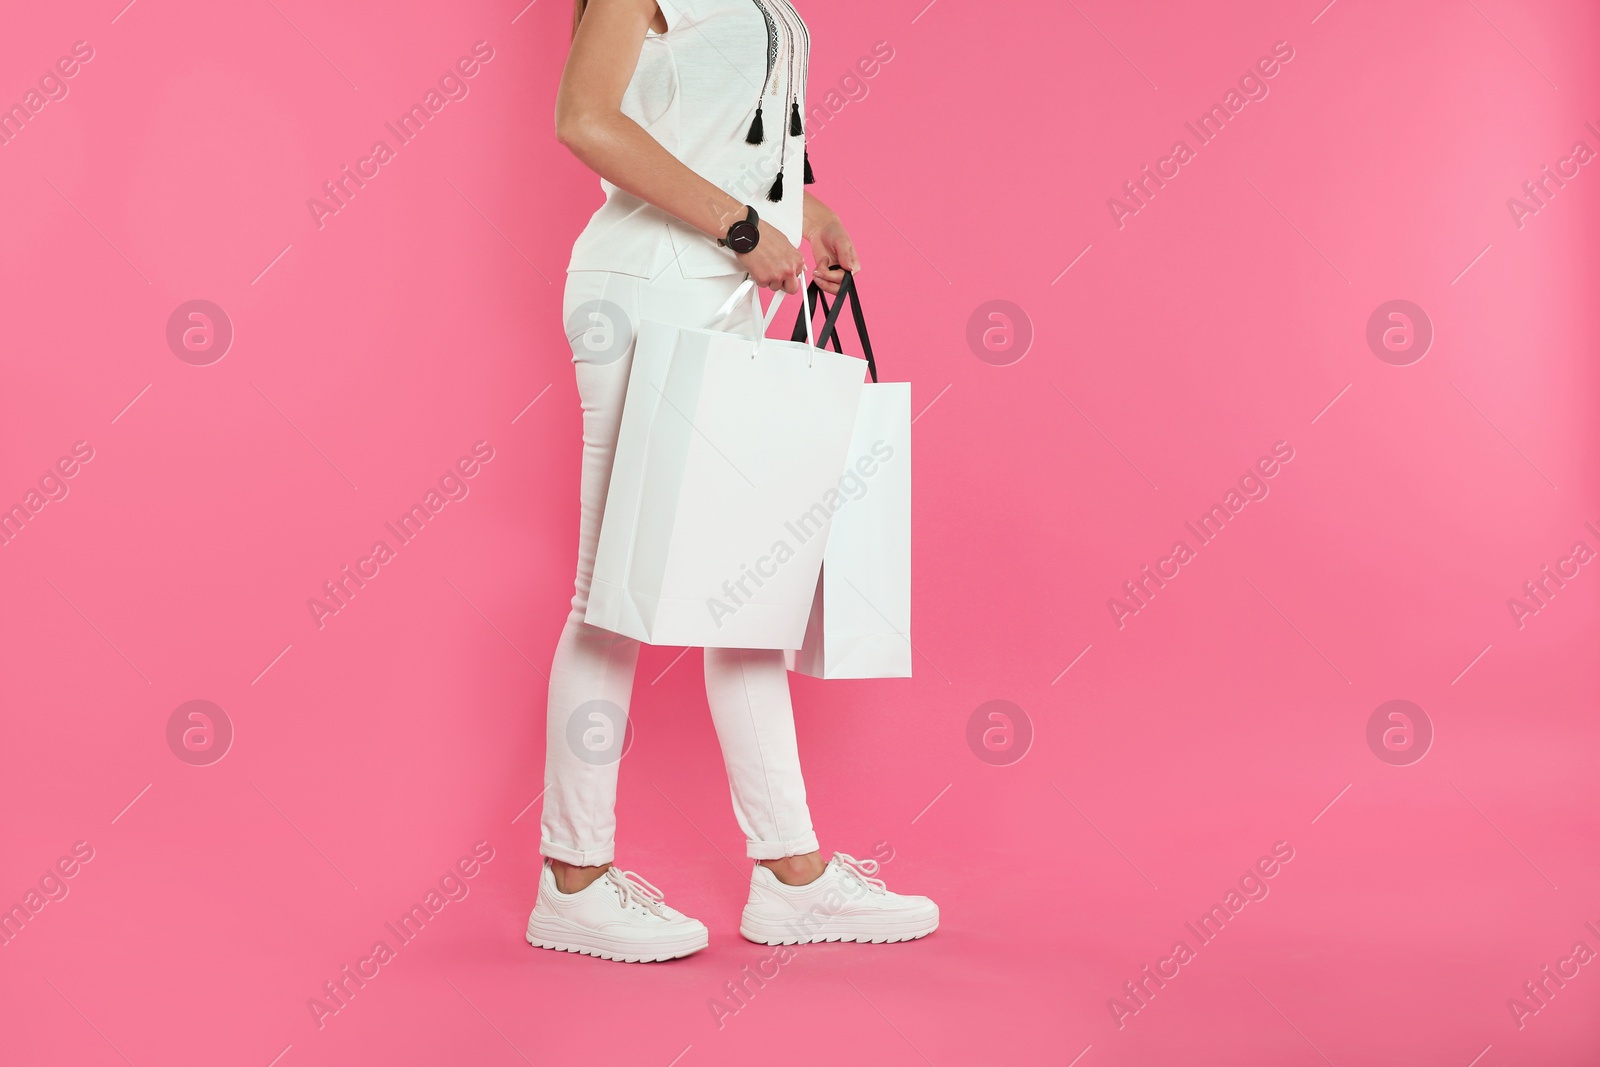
<point x="713" y="532"/>
<point x="860" y="624"/>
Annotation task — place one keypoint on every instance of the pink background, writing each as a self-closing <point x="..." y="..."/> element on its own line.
<point x="1229" y="714"/>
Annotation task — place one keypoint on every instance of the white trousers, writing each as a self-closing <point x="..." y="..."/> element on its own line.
<point x="591" y="679"/>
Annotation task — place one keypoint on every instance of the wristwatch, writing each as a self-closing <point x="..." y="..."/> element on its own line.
<point x="744" y="235"/>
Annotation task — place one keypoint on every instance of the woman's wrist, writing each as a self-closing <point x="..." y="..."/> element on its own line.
<point x="725" y="213"/>
<point x="811" y="226"/>
<point x="815" y="216"/>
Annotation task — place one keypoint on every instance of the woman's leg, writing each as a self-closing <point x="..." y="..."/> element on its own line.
<point x="591" y="677"/>
<point x="794" y="897"/>
<point x="748" y="690"/>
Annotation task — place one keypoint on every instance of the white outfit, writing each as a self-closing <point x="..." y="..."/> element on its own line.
<point x="695" y="90"/>
<point x="748" y="689"/>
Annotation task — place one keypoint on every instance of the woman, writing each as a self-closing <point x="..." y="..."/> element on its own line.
<point x="691" y="113"/>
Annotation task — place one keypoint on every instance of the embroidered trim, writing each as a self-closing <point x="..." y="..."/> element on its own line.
<point x="772" y="46"/>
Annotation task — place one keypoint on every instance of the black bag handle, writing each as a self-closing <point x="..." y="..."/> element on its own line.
<point x="814" y="295"/>
<point x="830" y="325"/>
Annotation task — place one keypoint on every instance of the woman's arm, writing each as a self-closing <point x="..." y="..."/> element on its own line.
<point x="590" y="122"/>
<point x="831" y="246"/>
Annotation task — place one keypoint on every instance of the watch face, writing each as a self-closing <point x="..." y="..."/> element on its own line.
<point x="742" y="236"/>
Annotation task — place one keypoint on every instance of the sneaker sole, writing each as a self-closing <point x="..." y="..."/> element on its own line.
<point x="873" y="933"/>
<point x="621" y="954"/>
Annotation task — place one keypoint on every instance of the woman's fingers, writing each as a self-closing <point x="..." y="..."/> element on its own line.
<point x="835" y="247"/>
<point x="844" y="253"/>
<point x="829" y="274"/>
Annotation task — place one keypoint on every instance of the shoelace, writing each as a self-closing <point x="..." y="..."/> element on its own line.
<point x="635" y="890"/>
<point x="862" y="871"/>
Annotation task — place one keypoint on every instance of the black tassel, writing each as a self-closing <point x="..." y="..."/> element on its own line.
<point x="811" y="179"/>
<point x="795" y="129"/>
<point x="757" y="132"/>
<point x="776" y="192"/>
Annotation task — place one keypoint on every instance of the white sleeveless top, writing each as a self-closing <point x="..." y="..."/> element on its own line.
<point x="696" y="90"/>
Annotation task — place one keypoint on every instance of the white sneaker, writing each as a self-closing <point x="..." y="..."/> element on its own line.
<point x="844" y="904"/>
<point x="619" y="916"/>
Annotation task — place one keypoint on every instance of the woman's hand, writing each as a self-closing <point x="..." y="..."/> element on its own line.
<point x="831" y="246"/>
<point x="774" y="263"/>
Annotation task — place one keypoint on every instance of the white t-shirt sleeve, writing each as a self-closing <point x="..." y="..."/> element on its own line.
<point x="673" y="11"/>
